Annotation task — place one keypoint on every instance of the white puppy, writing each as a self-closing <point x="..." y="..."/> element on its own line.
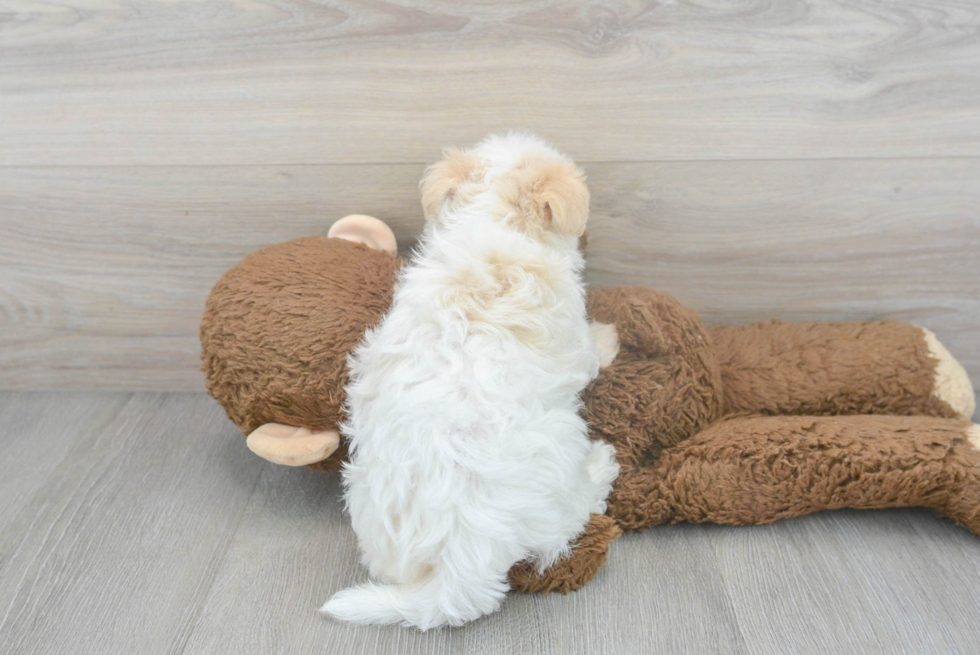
<point x="467" y="451"/>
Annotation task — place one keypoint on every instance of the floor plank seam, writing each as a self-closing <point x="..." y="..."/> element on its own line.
<point x="224" y="560"/>
<point x="730" y="600"/>
<point x="28" y="567"/>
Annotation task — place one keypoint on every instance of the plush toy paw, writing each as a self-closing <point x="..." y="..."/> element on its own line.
<point x="284" y="444"/>
<point x="951" y="384"/>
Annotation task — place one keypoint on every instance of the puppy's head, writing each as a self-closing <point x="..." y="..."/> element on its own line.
<point x="521" y="180"/>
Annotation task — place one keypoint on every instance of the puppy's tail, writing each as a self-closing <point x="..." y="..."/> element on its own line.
<point x="430" y="604"/>
<point x="370" y="603"/>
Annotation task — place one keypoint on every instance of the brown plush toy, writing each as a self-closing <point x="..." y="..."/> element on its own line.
<point x="733" y="425"/>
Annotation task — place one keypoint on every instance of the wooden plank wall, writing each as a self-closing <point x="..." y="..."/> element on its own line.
<point x="799" y="159"/>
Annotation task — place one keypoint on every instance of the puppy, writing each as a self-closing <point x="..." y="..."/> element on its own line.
<point x="467" y="453"/>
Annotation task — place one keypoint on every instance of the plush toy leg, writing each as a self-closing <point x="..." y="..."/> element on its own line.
<point x="589" y="553"/>
<point x="752" y="470"/>
<point x="876" y="367"/>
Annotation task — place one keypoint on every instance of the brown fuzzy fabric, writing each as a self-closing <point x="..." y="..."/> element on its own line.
<point x="864" y="367"/>
<point x="759" y="469"/>
<point x="589" y="553"/>
<point x="279" y="326"/>
<point x="277" y="329"/>
<point x="665" y="383"/>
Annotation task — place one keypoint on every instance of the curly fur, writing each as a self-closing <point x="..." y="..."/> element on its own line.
<point x="467" y="450"/>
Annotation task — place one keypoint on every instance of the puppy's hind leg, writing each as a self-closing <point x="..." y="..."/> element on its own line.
<point x="599" y="470"/>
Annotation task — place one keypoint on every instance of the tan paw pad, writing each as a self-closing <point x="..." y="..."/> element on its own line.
<point x="951" y="383"/>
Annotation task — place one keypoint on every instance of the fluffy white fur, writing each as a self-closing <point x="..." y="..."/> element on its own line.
<point x="467" y="451"/>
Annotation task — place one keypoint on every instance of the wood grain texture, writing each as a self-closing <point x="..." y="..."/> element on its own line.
<point x="104" y="272"/>
<point x="799" y="159"/>
<point x="295" y="548"/>
<point x="799" y="241"/>
<point x="39" y="430"/>
<point x="129" y="82"/>
<point x="157" y="532"/>
<point x="103" y="279"/>
<point x="851" y="582"/>
<point x="116" y="551"/>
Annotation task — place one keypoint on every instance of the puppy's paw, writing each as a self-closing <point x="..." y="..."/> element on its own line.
<point x="607" y="342"/>
<point x="602" y="469"/>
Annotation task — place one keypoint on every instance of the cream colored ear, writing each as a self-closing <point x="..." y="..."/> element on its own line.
<point x="442" y="179"/>
<point x="372" y="232"/>
<point x="561" y="195"/>
<point x="290" y="446"/>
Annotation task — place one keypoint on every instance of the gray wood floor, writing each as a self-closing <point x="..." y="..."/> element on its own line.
<point x="794" y="159"/>
<point x="140" y="523"/>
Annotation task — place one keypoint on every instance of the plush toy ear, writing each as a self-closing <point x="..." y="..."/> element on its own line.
<point x="442" y="179"/>
<point x="370" y="231"/>
<point x="561" y="196"/>
<point x="289" y="446"/>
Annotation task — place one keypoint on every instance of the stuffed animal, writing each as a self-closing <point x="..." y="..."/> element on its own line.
<point x="732" y="424"/>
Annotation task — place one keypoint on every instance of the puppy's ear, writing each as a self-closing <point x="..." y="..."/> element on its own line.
<point x="560" y="196"/>
<point x="442" y="179"/>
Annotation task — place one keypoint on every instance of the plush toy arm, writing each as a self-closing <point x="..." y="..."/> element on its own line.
<point x="664" y="383"/>
<point x="875" y="367"/>
<point x="589" y="553"/>
<point x="751" y="470"/>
